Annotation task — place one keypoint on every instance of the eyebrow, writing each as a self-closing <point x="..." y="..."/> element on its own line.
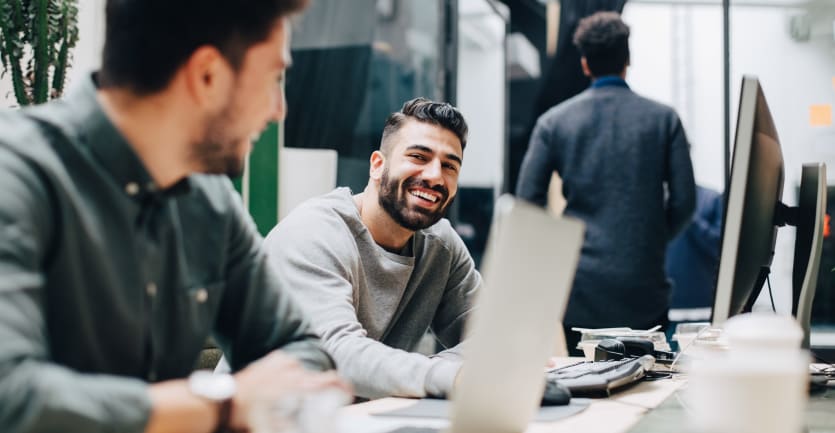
<point x="427" y="149"/>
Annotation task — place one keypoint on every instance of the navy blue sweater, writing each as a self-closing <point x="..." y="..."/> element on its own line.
<point x="625" y="165"/>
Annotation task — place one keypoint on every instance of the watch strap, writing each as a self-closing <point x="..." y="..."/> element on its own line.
<point x="224" y="416"/>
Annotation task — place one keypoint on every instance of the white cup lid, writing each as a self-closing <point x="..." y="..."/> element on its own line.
<point x="763" y="331"/>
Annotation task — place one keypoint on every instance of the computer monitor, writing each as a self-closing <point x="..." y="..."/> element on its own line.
<point x="810" y="219"/>
<point x="754" y="189"/>
<point x="753" y="212"/>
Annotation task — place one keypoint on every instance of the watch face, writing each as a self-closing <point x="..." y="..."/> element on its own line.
<point x="215" y="387"/>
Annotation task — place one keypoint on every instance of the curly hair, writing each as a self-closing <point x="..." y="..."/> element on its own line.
<point x="603" y="39"/>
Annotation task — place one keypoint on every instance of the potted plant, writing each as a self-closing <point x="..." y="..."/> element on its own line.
<point x="36" y="42"/>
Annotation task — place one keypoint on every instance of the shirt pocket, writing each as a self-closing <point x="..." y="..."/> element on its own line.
<point x="200" y="305"/>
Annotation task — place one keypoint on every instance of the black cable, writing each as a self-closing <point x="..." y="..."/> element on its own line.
<point x="768" y="280"/>
<point x="653" y="375"/>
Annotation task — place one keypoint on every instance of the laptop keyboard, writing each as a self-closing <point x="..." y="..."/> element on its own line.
<point x="601" y="378"/>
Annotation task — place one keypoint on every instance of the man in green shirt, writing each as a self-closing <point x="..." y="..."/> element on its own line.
<point x="123" y="245"/>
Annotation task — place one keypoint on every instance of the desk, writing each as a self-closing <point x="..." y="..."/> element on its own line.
<point x="608" y="415"/>
<point x="648" y="407"/>
<point x="667" y="417"/>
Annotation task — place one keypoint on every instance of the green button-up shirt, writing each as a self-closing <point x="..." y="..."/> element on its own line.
<point x="108" y="283"/>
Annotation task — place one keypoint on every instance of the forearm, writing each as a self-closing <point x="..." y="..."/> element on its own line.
<point x="377" y="370"/>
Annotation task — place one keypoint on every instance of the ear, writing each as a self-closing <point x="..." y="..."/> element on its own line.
<point x="585" y="65"/>
<point x="208" y="77"/>
<point x="378" y="161"/>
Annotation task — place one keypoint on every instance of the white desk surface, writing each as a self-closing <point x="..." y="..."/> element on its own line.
<point x="615" y="414"/>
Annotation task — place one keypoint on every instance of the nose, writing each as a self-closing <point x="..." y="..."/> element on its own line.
<point x="279" y="106"/>
<point x="433" y="172"/>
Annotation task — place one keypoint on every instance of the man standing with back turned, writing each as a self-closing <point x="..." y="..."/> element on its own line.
<point x="625" y="166"/>
<point x="123" y="244"/>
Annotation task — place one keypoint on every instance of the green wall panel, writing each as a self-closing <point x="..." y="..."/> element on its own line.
<point x="263" y="180"/>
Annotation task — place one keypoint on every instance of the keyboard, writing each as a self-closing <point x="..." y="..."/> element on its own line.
<point x="601" y="378"/>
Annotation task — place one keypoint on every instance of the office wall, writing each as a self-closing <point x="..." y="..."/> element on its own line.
<point x="677" y="59"/>
<point x="481" y="92"/>
<point x="87" y="55"/>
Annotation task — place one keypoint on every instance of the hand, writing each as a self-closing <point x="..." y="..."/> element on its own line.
<point x="275" y="376"/>
<point x="551" y="363"/>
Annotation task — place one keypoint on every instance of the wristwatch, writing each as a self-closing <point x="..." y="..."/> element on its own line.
<point x="218" y="388"/>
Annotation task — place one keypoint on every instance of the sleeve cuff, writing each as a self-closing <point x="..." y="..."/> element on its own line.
<point x="441" y="377"/>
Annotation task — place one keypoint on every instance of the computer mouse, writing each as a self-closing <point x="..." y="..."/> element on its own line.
<point x="555" y="394"/>
<point x="608" y="349"/>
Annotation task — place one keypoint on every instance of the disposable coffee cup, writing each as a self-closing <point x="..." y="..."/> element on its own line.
<point x="759" y="385"/>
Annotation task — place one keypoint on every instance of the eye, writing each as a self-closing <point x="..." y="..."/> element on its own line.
<point x="450" y="166"/>
<point x="418" y="157"/>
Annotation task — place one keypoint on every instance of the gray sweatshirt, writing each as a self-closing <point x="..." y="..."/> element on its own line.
<point x="370" y="306"/>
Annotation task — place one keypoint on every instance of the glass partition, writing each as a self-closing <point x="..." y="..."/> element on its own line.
<point x="353" y="64"/>
<point x="677" y="58"/>
<point x="789" y="45"/>
<point x="481" y="94"/>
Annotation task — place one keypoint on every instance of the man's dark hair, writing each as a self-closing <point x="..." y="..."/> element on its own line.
<point x="427" y="111"/>
<point x="146" y="41"/>
<point x="603" y="39"/>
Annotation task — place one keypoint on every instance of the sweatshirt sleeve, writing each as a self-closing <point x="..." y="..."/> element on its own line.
<point x="319" y="265"/>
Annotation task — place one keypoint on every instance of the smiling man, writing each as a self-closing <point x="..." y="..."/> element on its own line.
<point x="123" y="245"/>
<point x="377" y="269"/>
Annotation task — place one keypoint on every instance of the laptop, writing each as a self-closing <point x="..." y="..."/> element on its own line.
<point x="529" y="268"/>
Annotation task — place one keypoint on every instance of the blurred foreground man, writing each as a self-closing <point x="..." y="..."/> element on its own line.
<point x="123" y="245"/>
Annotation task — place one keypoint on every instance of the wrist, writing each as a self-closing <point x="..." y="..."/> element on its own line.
<point x="441" y="377"/>
<point x="218" y="389"/>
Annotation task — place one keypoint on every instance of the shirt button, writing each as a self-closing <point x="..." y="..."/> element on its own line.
<point x="201" y="296"/>
<point x="132" y="188"/>
<point x="151" y="289"/>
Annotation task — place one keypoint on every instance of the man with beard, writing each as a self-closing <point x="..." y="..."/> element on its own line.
<point x="377" y="269"/>
<point x="123" y="245"/>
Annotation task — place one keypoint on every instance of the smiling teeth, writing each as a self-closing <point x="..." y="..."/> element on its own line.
<point x="424" y="195"/>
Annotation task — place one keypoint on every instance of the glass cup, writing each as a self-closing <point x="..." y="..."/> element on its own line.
<point x="313" y="412"/>
<point x="686" y="333"/>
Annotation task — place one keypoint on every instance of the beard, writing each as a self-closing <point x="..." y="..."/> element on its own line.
<point x="393" y="199"/>
<point x="218" y="151"/>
